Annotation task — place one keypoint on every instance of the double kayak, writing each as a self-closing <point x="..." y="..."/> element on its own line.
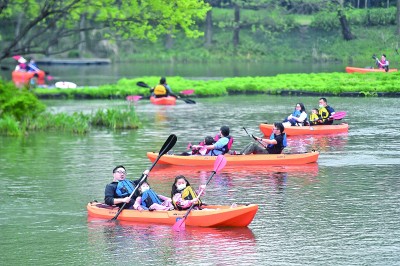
<point x="169" y="100"/>
<point x="21" y="77"/>
<point x="266" y="129"/>
<point x="250" y="159"/>
<point x="367" y="70"/>
<point x="211" y="216"/>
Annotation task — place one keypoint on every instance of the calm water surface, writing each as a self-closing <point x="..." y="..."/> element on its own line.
<point x="95" y="75"/>
<point x="344" y="210"/>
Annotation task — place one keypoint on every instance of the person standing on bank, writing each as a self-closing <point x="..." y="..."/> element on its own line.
<point x="119" y="190"/>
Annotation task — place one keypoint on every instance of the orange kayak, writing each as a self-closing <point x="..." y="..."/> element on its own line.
<point x="266" y="129"/>
<point x="367" y="70"/>
<point x="251" y="159"/>
<point x="169" y="100"/>
<point x="20" y="77"/>
<point x="213" y="216"/>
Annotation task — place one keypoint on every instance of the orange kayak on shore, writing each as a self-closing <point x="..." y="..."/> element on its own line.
<point x="21" y="77"/>
<point x="367" y="70"/>
<point x="266" y="129"/>
<point x="251" y="159"/>
<point x="211" y="216"/>
<point x="169" y="100"/>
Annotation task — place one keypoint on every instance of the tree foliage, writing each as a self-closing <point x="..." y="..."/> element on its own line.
<point x="42" y="26"/>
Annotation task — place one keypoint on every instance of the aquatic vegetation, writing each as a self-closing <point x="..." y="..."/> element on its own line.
<point x="21" y="112"/>
<point x="338" y="84"/>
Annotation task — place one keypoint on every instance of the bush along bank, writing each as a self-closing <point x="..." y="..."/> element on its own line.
<point x="21" y="112"/>
<point x="329" y="84"/>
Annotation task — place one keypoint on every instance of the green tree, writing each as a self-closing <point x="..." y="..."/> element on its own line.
<point x="52" y="26"/>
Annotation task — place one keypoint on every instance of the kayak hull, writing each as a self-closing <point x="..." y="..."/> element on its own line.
<point x="169" y="100"/>
<point x="212" y="216"/>
<point x="367" y="70"/>
<point x="22" y="78"/>
<point x="266" y="129"/>
<point x="251" y="159"/>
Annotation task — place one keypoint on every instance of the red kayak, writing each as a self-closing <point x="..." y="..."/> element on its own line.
<point x="169" y="100"/>
<point x="367" y="70"/>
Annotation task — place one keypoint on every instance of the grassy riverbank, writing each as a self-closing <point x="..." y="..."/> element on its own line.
<point x="327" y="84"/>
<point x="21" y="112"/>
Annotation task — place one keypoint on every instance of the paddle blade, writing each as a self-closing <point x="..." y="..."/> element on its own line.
<point x="188" y="101"/>
<point x="168" y="144"/>
<point x="187" y="92"/>
<point x="338" y="115"/>
<point x="179" y="225"/>
<point x="220" y="163"/>
<point x="133" y="98"/>
<point x="49" y="77"/>
<point x="142" y="84"/>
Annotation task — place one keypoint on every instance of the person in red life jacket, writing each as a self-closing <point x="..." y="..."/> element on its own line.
<point x="383" y="63"/>
<point x="201" y="149"/>
<point x="149" y="200"/>
<point x="274" y="145"/>
<point x="324" y="112"/>
<point x="222" y="145"/>
<point x="22" y="66"/>
<point x="162" y="89"/>
<point x="183" y="196"/>
<point x="119" y="190"/>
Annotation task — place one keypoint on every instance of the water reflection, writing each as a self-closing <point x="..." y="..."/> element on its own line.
<point x="322" y="143"/>
<point x="159" y="244"/>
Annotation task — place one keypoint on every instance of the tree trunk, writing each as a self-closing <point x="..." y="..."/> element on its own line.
<point x="358" y="3"/>
<point x="236" y="28"/>
<point x="82" y="36"/>
<point x="347" y="35"/>
<point x="208" y="30"/>
<point x="169" y="41"/>
<point x="366" y="4"/>
<point x="398" y="17"/>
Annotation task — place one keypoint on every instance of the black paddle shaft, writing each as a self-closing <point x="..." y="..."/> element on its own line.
<point x="252" y="136"/>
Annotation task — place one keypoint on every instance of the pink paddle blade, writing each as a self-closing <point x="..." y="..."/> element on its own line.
<point x="338" y="115"/>
<point x="187" y="92"/>
<point x="49" y="77"/>
<point x="16" y="57"/>
<point x="179" y="225"/>
<point x="133" y="98"/>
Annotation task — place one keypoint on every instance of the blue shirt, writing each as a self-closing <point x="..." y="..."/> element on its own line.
<point x="219" y="146"/>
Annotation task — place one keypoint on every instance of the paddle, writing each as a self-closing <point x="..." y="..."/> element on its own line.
<point x="133" y="98"/>
<point x="337" y="116"/>
<point x="255" y="138"/>
<point x="220" y="163"/>
<point x="186" y="100"/>
<point x="169" y="143"/>
<point x="187" y="92"/>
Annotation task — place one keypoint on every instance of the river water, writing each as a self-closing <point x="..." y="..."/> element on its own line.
<point x="344" y="210"/>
